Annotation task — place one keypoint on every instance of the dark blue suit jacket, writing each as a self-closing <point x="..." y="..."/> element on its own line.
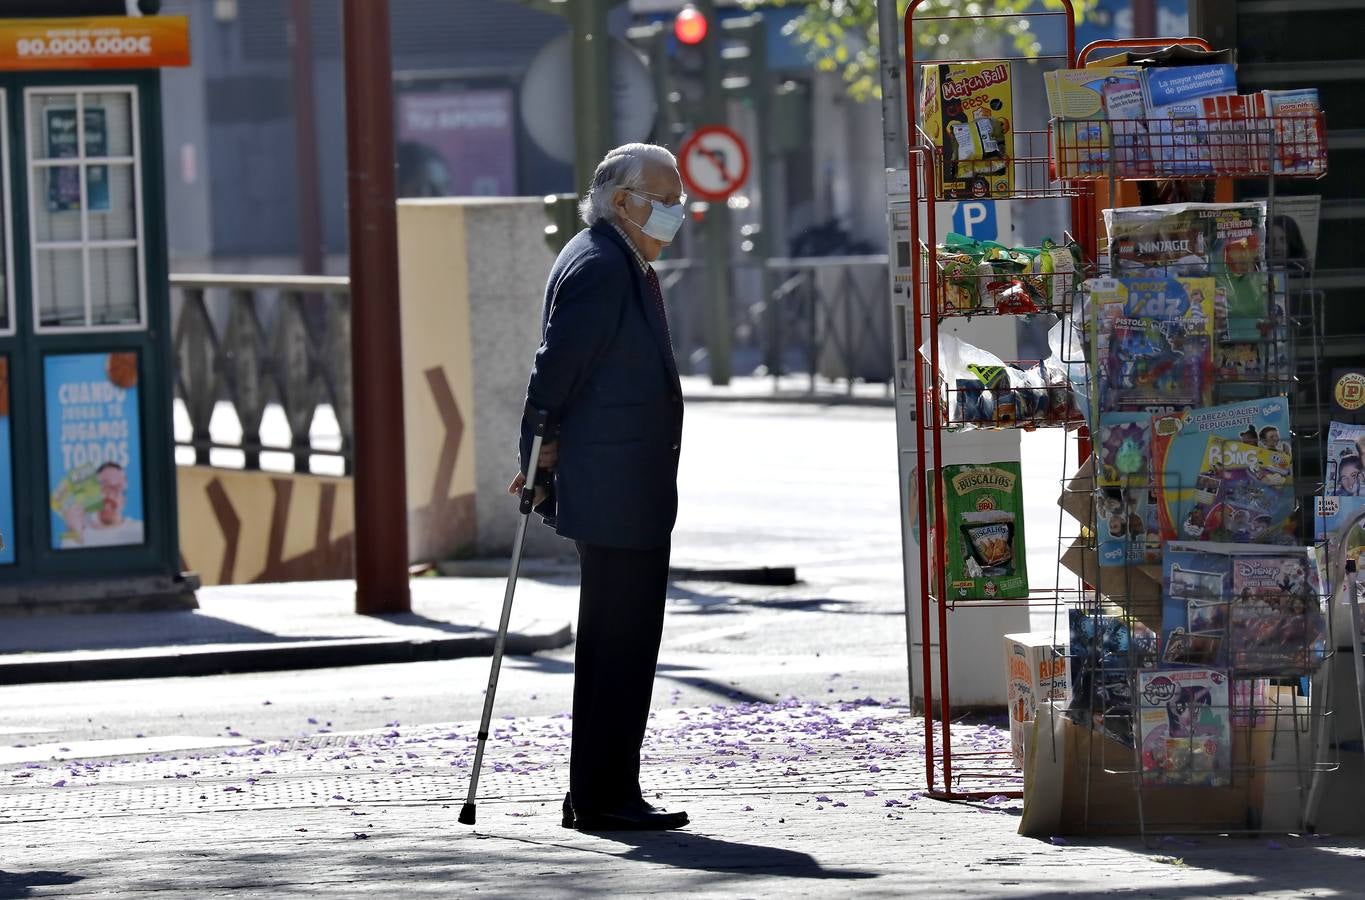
<point x="604" y="373"/>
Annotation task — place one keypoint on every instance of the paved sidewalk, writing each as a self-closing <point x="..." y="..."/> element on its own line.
<point x="787" y="800"/>
<point x="787" y="389"/>
<point x="264" y="627"/>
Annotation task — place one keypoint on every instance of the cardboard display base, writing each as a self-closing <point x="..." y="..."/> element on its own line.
<point x="1079" y="781"/>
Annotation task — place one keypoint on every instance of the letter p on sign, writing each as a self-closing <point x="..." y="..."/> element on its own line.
<point x="976" y="219"/>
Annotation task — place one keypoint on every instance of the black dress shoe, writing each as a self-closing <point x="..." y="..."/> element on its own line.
<point x="567" y="821"/>
<point x="632" y="817"/>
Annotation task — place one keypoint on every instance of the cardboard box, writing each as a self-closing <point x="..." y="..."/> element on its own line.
<point x="967" y="111"/>
<point x="1036" y="671"/>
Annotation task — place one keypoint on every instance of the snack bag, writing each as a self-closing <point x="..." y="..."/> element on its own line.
<point x="984" y="511"/>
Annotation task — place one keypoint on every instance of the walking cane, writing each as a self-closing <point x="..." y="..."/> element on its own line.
<point x="528" y="494"/>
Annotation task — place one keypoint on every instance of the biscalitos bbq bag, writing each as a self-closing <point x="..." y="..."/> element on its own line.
<point x="984" y="531"/>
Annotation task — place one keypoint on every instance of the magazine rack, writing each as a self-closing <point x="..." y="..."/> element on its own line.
<point x="1282" y="742"/>
<point x="1182" y="685"/>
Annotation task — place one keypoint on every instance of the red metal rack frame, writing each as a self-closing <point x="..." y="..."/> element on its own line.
<point x="922" y="164"/>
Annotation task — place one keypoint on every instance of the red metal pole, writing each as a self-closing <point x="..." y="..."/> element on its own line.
<point x="381" y="515"/>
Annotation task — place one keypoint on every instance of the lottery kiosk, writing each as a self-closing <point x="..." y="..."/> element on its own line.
<point x="87" y="475"/>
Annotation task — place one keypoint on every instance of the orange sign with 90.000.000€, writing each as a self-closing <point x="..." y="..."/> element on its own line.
<point x="102" y="42"/>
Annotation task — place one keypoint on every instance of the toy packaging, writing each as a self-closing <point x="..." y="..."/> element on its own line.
<point x="1101" y="651"/>
<point x="984" y="507"/>
<point x="1180" y="443"/>
<point x="1153" y="343"/>
<point x="1278" y="625"/>
<point x="1100" y="119"/>
<point x="1223" y="240"/>
<point x="967" y="111"/>
<point x="1035" y="672"/>
<point x="1184" y="719"/>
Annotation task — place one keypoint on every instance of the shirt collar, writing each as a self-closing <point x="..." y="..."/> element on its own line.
<point x="639" y="258"/>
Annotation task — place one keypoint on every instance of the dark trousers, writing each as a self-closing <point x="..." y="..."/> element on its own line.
<point x="620" y="622"/>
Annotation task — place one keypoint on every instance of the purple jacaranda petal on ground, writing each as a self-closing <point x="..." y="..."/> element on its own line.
<point x="361" y="836"/>
<point x="747" y="809"/>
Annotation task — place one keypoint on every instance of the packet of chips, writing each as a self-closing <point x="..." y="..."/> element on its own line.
<point x="984" y="518"/>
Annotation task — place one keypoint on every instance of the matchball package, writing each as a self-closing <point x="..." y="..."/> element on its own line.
<point x="967" y="112"/>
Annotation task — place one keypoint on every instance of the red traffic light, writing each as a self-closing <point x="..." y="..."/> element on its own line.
<point x="690" y="26"/>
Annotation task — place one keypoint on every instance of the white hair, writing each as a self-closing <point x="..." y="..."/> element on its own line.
<point x="622" y="168"/>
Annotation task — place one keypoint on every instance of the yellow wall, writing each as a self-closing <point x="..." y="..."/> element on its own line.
<point x="239" y="527"/>
<point x="438" y="377"/>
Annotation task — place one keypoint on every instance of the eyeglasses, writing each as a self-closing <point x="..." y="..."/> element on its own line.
<point x="682" y="198"/>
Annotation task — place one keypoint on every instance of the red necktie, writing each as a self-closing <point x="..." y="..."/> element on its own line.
<point x="652" y="279"/>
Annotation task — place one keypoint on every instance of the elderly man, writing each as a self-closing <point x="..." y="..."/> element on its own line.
<point x="606" y="376"/>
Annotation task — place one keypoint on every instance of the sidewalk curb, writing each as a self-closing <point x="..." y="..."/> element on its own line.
<point x="802" y="398"/>
<point x="275" y="658"/>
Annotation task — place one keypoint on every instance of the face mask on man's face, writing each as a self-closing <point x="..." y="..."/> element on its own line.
<point x="664" y="220"/>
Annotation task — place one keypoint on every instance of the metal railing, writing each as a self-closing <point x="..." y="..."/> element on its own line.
<point x="826" y="317"/>
<point x="256" y="342"/>
<point x="275" y="350"/>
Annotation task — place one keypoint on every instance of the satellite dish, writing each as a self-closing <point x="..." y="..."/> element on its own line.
<point x="546" y="98"/>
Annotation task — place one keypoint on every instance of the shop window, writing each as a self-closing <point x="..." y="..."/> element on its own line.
<point x="85" y="204"/>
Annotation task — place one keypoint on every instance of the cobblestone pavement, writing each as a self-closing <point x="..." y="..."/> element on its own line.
<point x="793" y="799"/>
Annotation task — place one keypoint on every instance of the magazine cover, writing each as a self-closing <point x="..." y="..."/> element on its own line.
<point x="1254" y="496"/>
<point x="1223" y="240"/>
<point x="1127" y="527"/>
<point x="1154" y="340"/>
<point x="1173" y="97"/>
<point x="1184" y="719"/>
<point x="1124" y="449"/>
<point x="1278" y="624"/>
<point x="1345" y="452"/>
<point x="985" y="531"/>
<point x="1180" y="444"/>
<point x="1101" y="651"/>
<point x="1195" y="614"/>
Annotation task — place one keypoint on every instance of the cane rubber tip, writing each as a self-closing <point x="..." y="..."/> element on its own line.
<point x="467" y="814"/>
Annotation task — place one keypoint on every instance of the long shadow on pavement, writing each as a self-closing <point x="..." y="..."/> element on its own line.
<point x="667" y="671"/>
<point x="684" y="850"/>
<point x="15" y="885"/>
<point x="1274" y="865"/>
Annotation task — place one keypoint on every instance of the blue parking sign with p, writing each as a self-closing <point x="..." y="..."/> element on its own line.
<point x="976" y="219"/>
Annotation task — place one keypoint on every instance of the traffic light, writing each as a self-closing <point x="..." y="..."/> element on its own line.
<point x="690" y="26"/>
<point x="562" y="210"/>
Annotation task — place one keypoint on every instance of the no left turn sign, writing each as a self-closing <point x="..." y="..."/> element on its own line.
<point x="714" y="162"/>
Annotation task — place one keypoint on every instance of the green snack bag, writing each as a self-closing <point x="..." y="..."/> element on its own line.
<point x="984" y="506"/>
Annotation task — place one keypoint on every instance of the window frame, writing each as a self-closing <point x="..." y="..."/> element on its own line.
<point x="12" y="325"/>
<point x="84" y="244"/>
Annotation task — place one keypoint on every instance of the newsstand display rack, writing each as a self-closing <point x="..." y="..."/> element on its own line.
<point x="956" y="774"/>
<point x="1129" y="683"/>
<point x="1302" y="747"/>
